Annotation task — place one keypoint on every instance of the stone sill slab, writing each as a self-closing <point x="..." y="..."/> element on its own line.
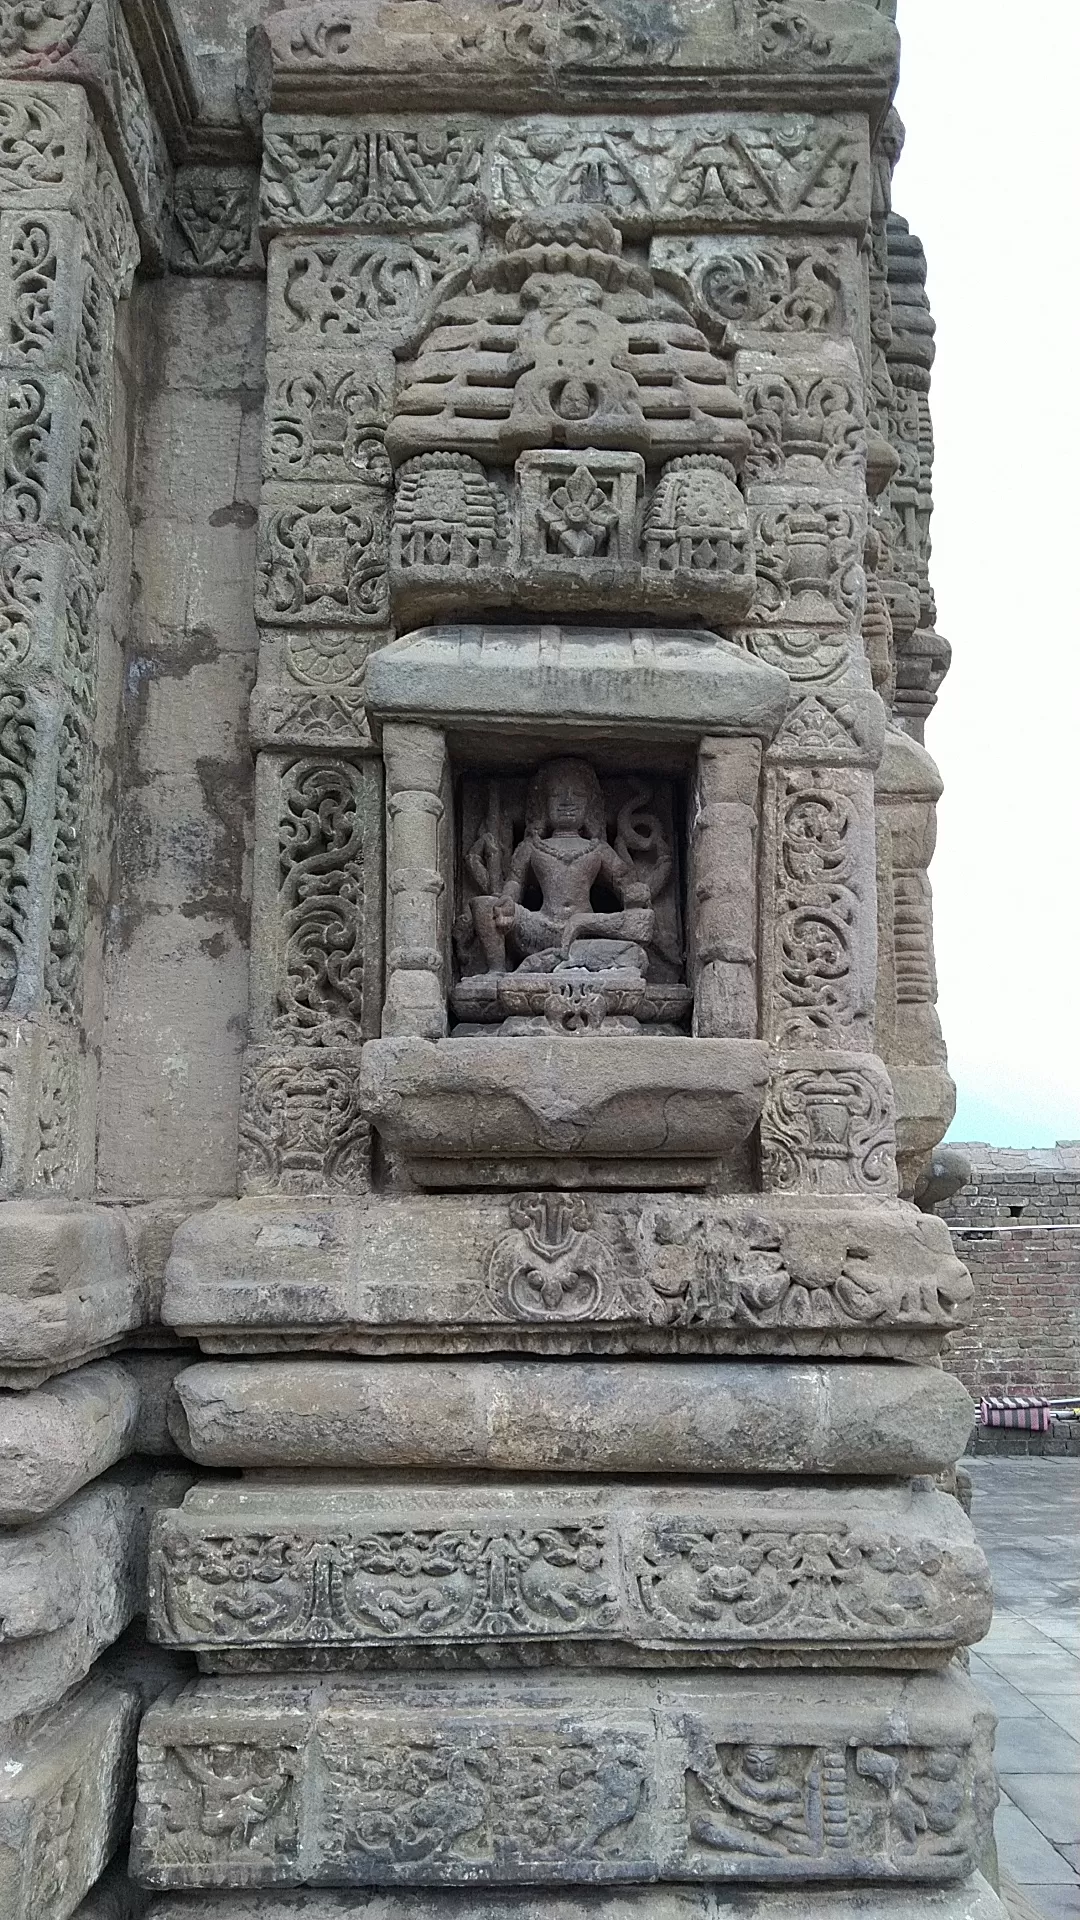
<point x="568" y="1416"/>
<point x="468" y="1112"/>
<point x="651" y="681"/>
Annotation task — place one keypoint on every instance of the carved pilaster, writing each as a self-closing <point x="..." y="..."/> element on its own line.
<point x="316" y="953"/>
<point x="827" y="1125"/>
<point x="907" y="790"/>
<point x="417" y="909"/>
<point x="922" y="659"/>
<point x="901" y="358"/>
<point x="317" y="906"/>
<point x="67" y="252"/>
<point x="723" y="888"/>
<point x="89" y="42"/>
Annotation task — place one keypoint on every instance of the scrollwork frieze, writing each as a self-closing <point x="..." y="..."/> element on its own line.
<point x="777" y="288"/>
<point x="53" y="158"/>
<point x="389" y="177"/>
<point x="358" y="290"/>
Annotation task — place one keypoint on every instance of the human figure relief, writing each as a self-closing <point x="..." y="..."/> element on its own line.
<point x="756" y="1808"/>
<point x="565" y="853"/>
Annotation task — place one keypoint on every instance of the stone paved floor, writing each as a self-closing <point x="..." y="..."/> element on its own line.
<point x="1027" y="1513"/>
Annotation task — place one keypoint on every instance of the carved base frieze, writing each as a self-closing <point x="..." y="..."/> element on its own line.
<point x="581" y="1780"/>
<point x="584" y="1416"/>
<point x="551" y="1271"/>
<point x="381" y="1573"/>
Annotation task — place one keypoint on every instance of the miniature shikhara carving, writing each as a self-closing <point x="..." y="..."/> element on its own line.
<point x="568" y="364"/>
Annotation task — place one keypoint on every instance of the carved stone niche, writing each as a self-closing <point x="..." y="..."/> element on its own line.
<point x="568" y="439"/>
<point x="572" y="831"/>
<point x="569" y="889"/>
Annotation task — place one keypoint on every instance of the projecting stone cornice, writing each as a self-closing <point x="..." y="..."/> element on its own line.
<point x="350" y="55"/>
<point x="517" y="677"/>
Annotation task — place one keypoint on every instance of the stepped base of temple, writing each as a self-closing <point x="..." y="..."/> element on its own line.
<point x="975" y="1900"/>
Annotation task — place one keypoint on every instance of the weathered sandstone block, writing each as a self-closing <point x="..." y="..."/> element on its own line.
<point x="579" y="1417"/>
<point x="70" y="1585"/>
<point x="153" y="1373"/>
<point x="563" y="1112"/>
<point x="545" y="1272"/>
<point x="69" y="1290"/>
<point x="670" y="682"/>
<point x="408" y="1781"/>
<point x="65" y="1798"/>
<point x="58" y="1437"/>
<point x="250" y="1573"/>
<point x="973" y="1901"/>
<point x="55" y="1439"/>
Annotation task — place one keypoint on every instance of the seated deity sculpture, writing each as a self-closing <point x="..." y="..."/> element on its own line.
<point x="564" y="853"/>
<point x="569" y="911"/>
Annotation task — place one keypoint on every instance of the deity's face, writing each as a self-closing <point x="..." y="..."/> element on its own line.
<point x="760" y="1763"/>
<point x="568" y="803"/>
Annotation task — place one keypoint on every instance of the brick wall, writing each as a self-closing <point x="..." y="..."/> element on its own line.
<point x="1035" y="1186"/>
<point x="1017" y="1227"/>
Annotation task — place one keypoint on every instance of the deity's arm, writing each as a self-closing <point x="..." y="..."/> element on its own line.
<point x="622" y="879"/>
<point x="520" y="869"/>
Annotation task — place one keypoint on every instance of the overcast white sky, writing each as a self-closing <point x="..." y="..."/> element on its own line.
<point x="990" y="180"/>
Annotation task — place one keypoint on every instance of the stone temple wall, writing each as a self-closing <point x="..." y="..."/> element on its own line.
<point x="473" y="1439"/>
<point x="1016" y="1226"/>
